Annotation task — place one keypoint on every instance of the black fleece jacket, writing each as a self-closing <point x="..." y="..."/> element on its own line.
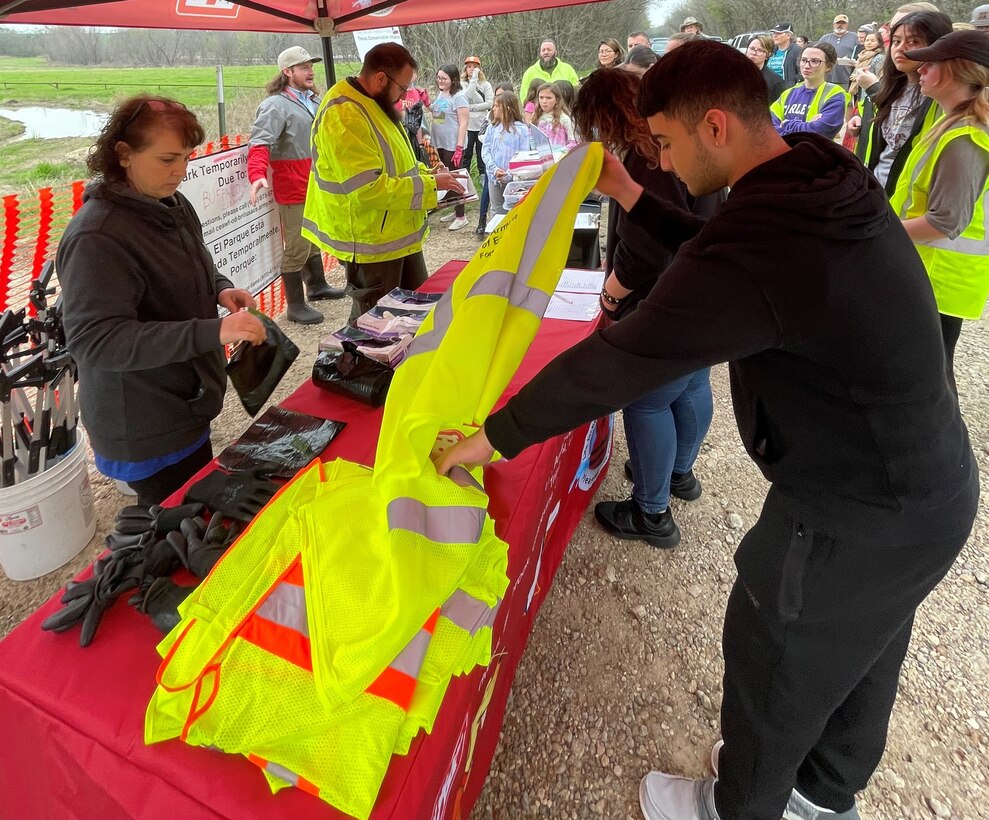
<point x="140" y="291"/>
<point x="807" y="284"/>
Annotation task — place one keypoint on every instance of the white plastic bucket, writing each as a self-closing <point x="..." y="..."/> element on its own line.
<point x="48" y="519"/>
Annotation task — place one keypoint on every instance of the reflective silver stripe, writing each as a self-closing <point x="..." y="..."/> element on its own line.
<point x="410" y="659"/>
<point x="442" y="524"/>
<point x="286" y="606"/>
<point x="459" y="475"/>
<point x="386" y="151"/>
<point x="468" y="612"/>
<point x="513" y="287"/>
<point x="418" y="192"/>
<point x="280" y="771"/>
<point x="347" y="186"/>
<point x="552" y="203"/>
<point x="965" y="245"/>
<point x="364" y="247"/>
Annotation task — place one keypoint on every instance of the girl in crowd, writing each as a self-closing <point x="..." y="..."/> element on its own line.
<point x="942" y="195"/>
<point x="480" y="96"/>
<point x="140" y="293"/>
<point x="610" y="54"/>
<point x="640" y="60"/>
<point x="568" y="96"/>
<point x="759" y="51"/>
<point x="815" y="105"/>
<point x="870" y="60"/>
<point x="665" y="428"/>
<point x="902" y="113"/>
<point x="451" y="115"/>
<point x="482" y="220"/>
<point x="802" y="41"/>
<point x="413" y="103"/>
<point x="553" y="120"/>
<point x="505" y="137"/>
<point x="531" y="101"/>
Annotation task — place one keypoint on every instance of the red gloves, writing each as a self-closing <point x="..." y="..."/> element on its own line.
<point x="457" y="156"/>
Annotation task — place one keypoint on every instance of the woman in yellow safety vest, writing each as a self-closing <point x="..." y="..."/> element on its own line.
<point x="902" y="114"/>
<point x="943" y="192"/>
<point x="816" y="105"/>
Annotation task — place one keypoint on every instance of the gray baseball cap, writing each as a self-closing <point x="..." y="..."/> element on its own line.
<point x="296" y="55"/>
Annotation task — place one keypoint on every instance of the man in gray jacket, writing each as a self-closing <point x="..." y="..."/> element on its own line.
<point x="844" y="42"/>
<point x="280" y="139"/>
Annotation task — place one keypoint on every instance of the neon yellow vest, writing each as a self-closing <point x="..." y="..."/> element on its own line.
<point x="326" y="637"/>
<point x="823" y="95"/>
<point x="959" y="268"/>
<point x="367" y="195"/>
<point x="933" y="113"/>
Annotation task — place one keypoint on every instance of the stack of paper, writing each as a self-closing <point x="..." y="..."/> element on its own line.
<point x="576" y="296"/>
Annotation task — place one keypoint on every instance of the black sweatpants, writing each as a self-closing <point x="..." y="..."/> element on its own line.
<point x="816" y="630"/>
<point x="473" y="151"/>
<point x="367" y="282"/>
<point x="446" y="157"/>
<point x="156" y="488"/>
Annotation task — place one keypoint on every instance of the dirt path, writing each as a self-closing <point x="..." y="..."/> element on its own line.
<point x="623" y="669"/>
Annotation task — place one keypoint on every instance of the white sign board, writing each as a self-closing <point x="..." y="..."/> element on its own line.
<point x="366" y="40"/>
<point x="244" y="240"/>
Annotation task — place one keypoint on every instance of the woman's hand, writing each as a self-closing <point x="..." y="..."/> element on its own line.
<point x="500" y="173"/>
<point x="241" y="327"/>
<point x="855" y="124"/>
<point x="234" y="299"/>
<point x="865" y="78"/>
<point x="616" y="182"/>
<point x="473" y="450"/>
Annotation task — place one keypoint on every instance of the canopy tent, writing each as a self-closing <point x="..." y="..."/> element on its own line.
<point x="325" y="17"/>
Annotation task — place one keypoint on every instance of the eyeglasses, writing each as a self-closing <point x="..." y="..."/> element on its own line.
<point x="155" y="105"/>
<point x="756" y="50"/>
<point x="405" y="88"/>
<point x="813" y="62"/>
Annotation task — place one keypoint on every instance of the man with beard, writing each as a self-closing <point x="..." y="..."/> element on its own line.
<point x="280" y="138"/>
<point x="840" y="396"/>
<point x="368" y="195"/>
<point x="549" y="68"/>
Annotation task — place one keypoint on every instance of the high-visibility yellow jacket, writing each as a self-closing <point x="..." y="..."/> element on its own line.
<point x="326" y="637"/>
<point x="959" y="267"/>
<point x="367" y="195"/>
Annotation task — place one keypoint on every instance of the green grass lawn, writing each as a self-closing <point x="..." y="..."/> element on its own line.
<point x="28" y="164"/>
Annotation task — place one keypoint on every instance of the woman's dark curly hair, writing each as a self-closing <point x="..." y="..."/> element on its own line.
<point x="605" y="112"/>
<point x="132" y="122"/>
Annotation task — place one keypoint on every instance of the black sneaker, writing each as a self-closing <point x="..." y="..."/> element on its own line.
<point x="684" y="486"/>
<point x="625" y="519"/>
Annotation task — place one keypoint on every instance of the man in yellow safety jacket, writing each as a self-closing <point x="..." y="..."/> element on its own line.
<point x="368" y="195"/>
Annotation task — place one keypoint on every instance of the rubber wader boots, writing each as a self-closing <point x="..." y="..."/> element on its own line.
<point x="315" y="279"/>
<point x="298" y="311"/>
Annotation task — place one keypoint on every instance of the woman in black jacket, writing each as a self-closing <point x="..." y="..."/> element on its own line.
<point x="759" y="51"/>
<point x="140" y="295"/>
<point x="664" y="429"/>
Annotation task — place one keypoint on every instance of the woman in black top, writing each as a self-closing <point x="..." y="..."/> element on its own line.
<point x="759" y="51"/>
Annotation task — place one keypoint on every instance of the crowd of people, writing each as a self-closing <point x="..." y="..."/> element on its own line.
<point x="842" y="372"/>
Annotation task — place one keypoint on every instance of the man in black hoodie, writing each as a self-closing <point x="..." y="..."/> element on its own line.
<point x="840" y="395"/>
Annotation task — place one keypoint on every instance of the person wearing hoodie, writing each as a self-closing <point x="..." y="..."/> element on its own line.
<point x="140" y="294"/>
<point x="840" y="396"/>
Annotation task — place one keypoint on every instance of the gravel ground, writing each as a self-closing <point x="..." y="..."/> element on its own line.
<point x="623" y="669"/>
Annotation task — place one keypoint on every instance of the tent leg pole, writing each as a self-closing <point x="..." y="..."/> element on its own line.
<point x="328" y="66"/>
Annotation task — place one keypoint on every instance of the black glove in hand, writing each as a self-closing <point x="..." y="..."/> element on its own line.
<point x="233" y="495"/>
<point x="199" y="547"/>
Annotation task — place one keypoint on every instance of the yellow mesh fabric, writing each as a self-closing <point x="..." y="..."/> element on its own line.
<point x="368" y="589"/>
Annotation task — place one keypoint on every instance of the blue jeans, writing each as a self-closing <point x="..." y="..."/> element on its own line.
<point x="485" y="196"/>
<point x="664" y="431"/>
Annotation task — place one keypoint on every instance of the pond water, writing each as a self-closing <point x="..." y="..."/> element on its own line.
<point x="49" y="123"/>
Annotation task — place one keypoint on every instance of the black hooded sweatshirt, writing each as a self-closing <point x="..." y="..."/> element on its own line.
<point x="139" y="291"/>
<point x="807" y="284"/>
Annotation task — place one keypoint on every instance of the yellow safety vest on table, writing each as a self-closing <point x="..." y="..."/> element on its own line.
<point x="326" y="637"/>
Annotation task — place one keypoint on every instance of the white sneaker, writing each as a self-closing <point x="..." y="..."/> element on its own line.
<point x="458" y="223"/>
<point x="716" y="756"/>
<point x="799" y="807"/>
<point x="667" y="797"/>
<point x="124" y="488"/>
<point x="448" y="217"/>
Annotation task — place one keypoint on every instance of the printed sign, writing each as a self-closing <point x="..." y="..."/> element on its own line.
<point x="366" y="40"/>
<point x="207" y="8"/>
<point x="245" y="240"/>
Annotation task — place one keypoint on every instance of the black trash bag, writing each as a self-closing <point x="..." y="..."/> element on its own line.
<point x="350" y="373"/>
<point x="281" y="442"/>
<point x="256" y="370"/>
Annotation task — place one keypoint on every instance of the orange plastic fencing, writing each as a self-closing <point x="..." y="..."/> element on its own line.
<point x="33" y="224"/>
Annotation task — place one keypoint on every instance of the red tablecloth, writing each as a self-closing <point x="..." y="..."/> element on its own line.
<point x="72" y="719"/>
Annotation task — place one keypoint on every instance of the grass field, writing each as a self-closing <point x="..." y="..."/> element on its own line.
<point x="33" y="163"/>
